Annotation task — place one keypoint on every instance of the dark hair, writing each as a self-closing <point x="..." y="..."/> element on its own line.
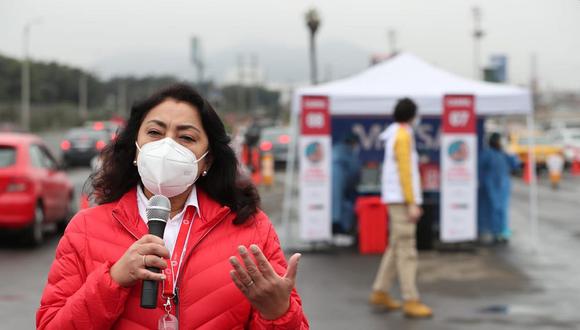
<point x="495" y="141"/>
<point x="405" y="110"/>
<point x="222" y="183"/>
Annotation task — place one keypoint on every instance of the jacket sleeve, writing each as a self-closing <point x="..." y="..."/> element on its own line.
<point x="403" y="158"/>
<point x="73" y="299"/>
<point x="294" y="318"/>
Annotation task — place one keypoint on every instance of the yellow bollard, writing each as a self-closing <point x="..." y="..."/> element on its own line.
<point x="268" y="169"/>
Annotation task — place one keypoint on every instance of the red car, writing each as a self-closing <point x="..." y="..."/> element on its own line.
<point x="34" y="193"/>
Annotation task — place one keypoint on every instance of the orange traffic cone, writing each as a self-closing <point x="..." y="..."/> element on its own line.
<point x="527" y="172"/>
<point x="256" y="173"/>
<point x="268" y="169"/>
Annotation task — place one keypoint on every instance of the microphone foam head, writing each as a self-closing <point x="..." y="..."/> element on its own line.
<point x="158" y="208"/>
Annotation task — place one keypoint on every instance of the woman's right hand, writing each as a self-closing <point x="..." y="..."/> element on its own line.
<point x="148" y="251"/>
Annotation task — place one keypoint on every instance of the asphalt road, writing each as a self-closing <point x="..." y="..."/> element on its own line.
<point x="521" y="286"/>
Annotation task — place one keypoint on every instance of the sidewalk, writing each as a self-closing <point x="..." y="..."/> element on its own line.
<point x="509" y="287"/>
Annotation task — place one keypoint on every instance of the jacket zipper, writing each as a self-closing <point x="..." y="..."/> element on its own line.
<point x="187" y="257"/>
<point x="177" y="307"/>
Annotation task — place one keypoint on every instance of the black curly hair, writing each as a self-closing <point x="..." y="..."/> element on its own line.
<point x="223" y="183"/>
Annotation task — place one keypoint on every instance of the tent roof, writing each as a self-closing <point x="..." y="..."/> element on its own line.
<point x="375" y="90"/>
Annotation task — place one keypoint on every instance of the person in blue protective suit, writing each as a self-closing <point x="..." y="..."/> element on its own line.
<point x="346" y="169"/>
<point x="495" y="167"/>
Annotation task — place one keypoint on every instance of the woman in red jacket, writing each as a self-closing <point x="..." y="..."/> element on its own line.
<point x="223" y="267"/>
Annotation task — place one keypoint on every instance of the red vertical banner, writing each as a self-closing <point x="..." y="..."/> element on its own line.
<point x="459" y="114"/>
<point x="315" y="169"/>
<point x="315" y="118"/>
<point x="458" y="221"/>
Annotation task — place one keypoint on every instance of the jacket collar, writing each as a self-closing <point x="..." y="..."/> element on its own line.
<point x="127" y="212"/>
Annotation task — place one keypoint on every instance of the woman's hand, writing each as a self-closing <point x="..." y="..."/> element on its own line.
<point x="148" y="251"/>
<point x="268" y="292"/>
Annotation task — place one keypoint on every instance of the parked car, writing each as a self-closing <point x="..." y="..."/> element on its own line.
<point x="543" y="147"/>
<point x="111" y="127"/>
<point x="81" y="145"/>
<point x="569" y="140"/>
<point x="34" y="191"/>
<point x="276" y="140"/>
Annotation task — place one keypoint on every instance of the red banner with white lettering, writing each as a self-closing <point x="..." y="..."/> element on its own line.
<point x="315" y="116"/>
<point x="458" y="220"/>
<point x="459" y="114"/>
<point x="315" y="169"/>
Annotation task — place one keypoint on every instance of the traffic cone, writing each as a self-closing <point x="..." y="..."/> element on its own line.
<point x="527" y="172"/>
<point x="268" y="169"/>
<point x="256" y="171"/>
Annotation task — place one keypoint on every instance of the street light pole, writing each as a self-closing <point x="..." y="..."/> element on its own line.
<point x="477" y="36"/>
<point x="83" y="96"/>
<point x="25" y="77"/>
<point x="25" y="82"/>
<point x="392" y="33"/>
<point x="313" y="23"/>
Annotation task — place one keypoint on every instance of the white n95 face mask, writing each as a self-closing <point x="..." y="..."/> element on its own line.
<point x="166" y="167"/>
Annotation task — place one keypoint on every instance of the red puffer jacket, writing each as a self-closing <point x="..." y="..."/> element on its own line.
<point x="80" y="293"/>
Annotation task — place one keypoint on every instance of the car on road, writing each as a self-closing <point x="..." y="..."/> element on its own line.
<point x="111" y="127"/>
<point x="81" y="145"/>
<point x="35" y="193"/>
<point x="543" y="147"/>
<point x="276" y="140"/>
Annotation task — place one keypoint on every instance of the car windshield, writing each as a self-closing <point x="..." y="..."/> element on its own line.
<point x="87" y="134"/>
<point x="272" y="134"/>
<point x="538" y="140"/>
<point x="7" y="156"/>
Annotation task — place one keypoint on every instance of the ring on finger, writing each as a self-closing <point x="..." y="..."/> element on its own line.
<point x="250" y="284"/>
<point x="145" y="260"/>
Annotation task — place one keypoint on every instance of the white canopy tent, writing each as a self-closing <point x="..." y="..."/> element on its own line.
<point x="376" y="90"/>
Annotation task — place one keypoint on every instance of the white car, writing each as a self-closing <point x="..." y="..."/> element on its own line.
<point x="569" y="140"/>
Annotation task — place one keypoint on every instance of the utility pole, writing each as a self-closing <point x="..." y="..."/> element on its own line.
<point x="477" y="36"/>
<point x="392" y="33"/>
<point x="313" y="23"/>
<point x="196" y="59"/>
<point x="534" y="79"/>
<point x="254" y="85"/>
<point x="25" y="76"/>
<point x="83" y="96"/>
<point x="122" y="98"/>
<point x="241" y="76"/>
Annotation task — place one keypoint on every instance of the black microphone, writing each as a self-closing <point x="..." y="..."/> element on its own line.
<point x="158" y="210"/>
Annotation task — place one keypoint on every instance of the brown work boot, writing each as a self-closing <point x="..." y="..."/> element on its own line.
<point x="417" y="310"/>
<point x="382" y="299"/>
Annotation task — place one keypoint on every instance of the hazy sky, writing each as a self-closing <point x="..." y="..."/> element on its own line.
<point x="93" y="34"/>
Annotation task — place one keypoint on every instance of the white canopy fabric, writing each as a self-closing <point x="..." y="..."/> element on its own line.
<point x="376" y="90"/>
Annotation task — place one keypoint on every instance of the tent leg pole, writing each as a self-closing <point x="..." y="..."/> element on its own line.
<point x="289" y="184"/>
<point x="533" y="183"/>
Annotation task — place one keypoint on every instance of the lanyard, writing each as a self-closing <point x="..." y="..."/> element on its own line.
<point x="174" y="264"/>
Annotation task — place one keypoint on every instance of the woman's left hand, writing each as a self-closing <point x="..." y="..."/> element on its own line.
<point x="267" y="291"/>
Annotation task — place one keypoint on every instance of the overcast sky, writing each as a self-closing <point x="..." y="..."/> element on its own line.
<point x="93" y="34"/>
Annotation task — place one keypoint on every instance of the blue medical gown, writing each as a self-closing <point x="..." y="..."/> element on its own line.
<point x="494" y="191"/>
<point x="345" y="177"/>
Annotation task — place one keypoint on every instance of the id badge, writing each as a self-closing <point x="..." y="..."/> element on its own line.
<point x="168" y="322"/>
